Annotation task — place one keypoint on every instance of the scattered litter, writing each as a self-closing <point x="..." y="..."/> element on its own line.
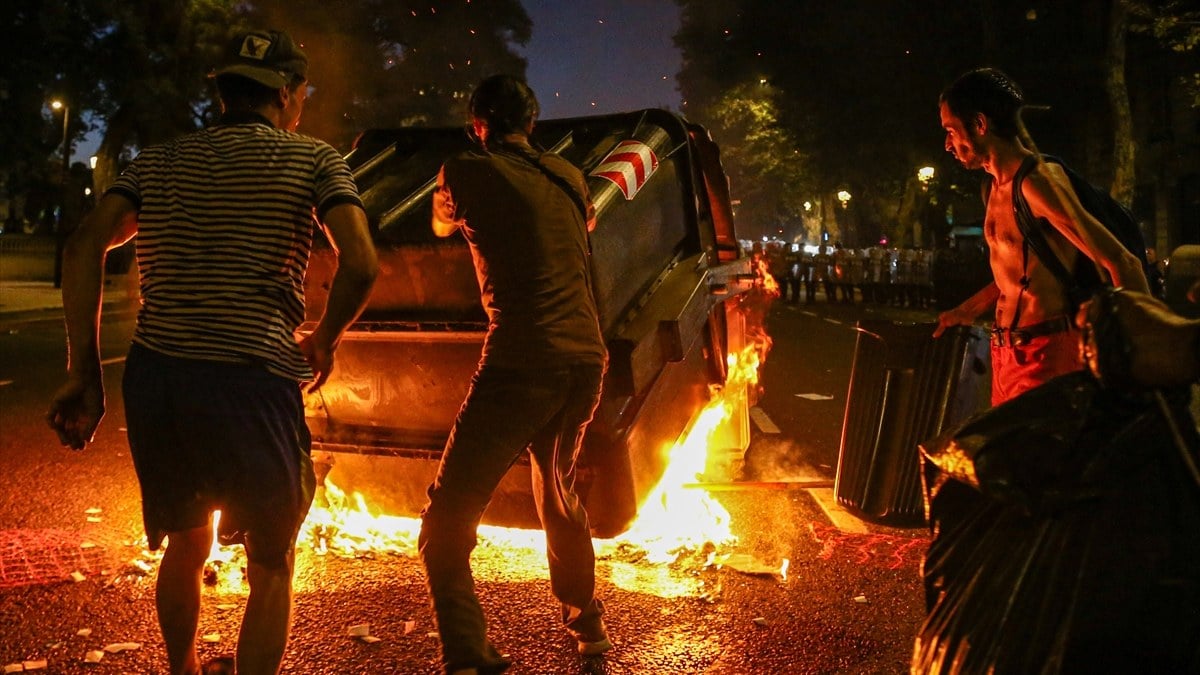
<point x="93" y="656"/>
<point x="860" y="599"/>
<point x="53" y="645"/>
<point x="409" y="626"/>
<point x="93" y="511"/>
<point x="227" y="606"/>
<point x="77" y="576"/>
<point x="360" y="630"/>
<point x="142" y="566"/>
<point x="431" y="634"/>
<point x="370" y="639"/>
<point x="84" y="632"/>
<point x="13" y="668"/>
<point x="87" y="545"/>
<point x="95" y="519"/>
<point x="34" y="665"/>
<point x="760" y="621"/>
<point x="211" y="638"/>
<point x="118" y="647"/>
<point x="746" y="564"/>
<point x="815" y="397"/>
<point x="762" y="421"/>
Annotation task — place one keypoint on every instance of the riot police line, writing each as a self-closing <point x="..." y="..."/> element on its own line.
<point x="918" y="278"/>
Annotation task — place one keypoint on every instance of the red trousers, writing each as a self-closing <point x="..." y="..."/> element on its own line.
<point x="1017" y="369"/>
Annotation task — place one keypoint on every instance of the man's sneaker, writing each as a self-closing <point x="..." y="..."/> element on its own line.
<point x="594" y="648"/>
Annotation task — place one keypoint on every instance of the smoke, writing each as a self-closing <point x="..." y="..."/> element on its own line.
<point x="779" y="459"/>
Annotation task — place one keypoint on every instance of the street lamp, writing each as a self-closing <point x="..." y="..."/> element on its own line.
<point x="925" y="175"/>
<point x="58" y="104"/>
<point x="60" y="228"/>
<point x="843" y="197"/>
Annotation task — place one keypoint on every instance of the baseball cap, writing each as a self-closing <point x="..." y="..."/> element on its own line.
<point x="269" y="57"/>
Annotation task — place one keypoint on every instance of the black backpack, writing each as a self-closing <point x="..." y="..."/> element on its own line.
<point x="1082" y="283"/>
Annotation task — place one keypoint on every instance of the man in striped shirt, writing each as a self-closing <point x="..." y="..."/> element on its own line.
<point x="212" y="386"/>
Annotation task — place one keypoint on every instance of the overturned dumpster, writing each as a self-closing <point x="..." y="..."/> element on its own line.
<point x="669" y="280"/>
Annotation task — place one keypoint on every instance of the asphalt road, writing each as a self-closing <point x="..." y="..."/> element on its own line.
<point x="850" y="601"/>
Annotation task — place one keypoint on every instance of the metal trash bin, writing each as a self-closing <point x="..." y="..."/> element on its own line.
<point x="905" y="388"/>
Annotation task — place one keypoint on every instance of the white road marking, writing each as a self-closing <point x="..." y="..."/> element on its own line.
<point x="763" y="422"/>
<point x="808" y="313"/>
<point x="840" y="517"/>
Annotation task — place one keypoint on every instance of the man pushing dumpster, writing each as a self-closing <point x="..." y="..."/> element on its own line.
<point x="526" y="215"/>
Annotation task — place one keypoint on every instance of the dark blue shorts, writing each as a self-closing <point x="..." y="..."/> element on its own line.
<point x="207" y="435"/>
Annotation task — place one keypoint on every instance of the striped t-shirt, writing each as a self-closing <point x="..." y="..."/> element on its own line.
<point x="225" y="227"/>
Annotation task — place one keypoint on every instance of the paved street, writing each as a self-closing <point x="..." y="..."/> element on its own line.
<point x="850" y="600"/>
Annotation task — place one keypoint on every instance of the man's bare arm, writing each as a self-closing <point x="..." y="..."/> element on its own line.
<point x="78" y="405"/>
<point x="1047" y="198"/>
<point x="357" y="268"/>
<point x="970" y="309"/>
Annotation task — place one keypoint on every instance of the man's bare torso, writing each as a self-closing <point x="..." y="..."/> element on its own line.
<point x="1044" y="297"/>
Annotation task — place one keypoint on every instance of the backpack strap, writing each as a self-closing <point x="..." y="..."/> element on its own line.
<point x="1031" y="228"/>
<point x="1031" y="233"/>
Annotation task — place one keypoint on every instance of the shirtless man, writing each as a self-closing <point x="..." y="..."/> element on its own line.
<point x="1032" y="338"/>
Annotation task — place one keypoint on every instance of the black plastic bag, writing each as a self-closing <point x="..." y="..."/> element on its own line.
<point x="1066" y="536"/>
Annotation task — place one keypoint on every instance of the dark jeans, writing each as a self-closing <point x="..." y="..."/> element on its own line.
<point x="506" y="412"/>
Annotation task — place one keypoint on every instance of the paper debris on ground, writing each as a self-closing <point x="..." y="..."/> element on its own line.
<point x="359" y="630"/>
<point x="762" y="421"/>
<point x="211" y="637"/>
<point x="227" y="605"/>
<point x="13" y="668"/>
<point x="95" y="519"/>
<point x="93" y="511"/>
<point x="815" y="397"/>
<point x="142" y="566"/>
<point x="77" y="576"/>
<point x="860" y="599"/>
<point x="87" y="545"/>
<point x="760" y="621"/>
<point x="431" y="634"/>
<point x="747" y="564"/>
<point x="93" y="656"/>
<point x="83" y="632"/>
<point x="118" y="647"/>
<point x="370" y="639"/>
<point x="34" y="665"/>
<point x="409" y="626"/>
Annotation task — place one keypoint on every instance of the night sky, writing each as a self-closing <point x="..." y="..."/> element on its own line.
<point x="586" y="58"/>
<point x="602" y="56"/>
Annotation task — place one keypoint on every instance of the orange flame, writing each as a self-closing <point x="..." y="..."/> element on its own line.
<point x="673" y="522"/>
<point x="764" y="279"/>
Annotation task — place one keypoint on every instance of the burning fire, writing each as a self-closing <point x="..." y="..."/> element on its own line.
<point x="677" y="525"/>
<point x="764" y="277"/>
<point x="224" y="566"/>
<point x="675" y="520"/>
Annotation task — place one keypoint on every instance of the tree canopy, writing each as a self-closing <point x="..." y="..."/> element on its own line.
<point x="135" y="70"/>
<point x="855" y="84"/>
